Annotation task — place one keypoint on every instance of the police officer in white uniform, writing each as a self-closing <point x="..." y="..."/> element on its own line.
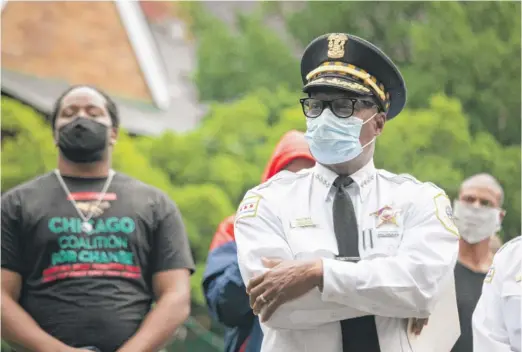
<point x="496" y="320"/>
<point x="337" y="256"/>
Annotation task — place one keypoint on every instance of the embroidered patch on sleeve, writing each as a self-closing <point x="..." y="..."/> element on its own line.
<point x="518" y="278"/>
<point x="248" y="207"/>
<point x="444" y="213"/>
<point x="489" y="275"/>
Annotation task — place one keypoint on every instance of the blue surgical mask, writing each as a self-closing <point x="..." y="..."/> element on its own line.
<point x="333" y="140"/>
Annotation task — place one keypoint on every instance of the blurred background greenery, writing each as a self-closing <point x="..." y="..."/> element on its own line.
<point x="461" y="62"/>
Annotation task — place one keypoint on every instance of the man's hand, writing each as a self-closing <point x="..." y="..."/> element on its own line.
<point x="285" y="281"/>
<point x="172" y="291"/>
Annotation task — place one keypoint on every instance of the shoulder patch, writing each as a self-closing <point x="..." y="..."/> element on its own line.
<point x="489" y="275"/>
<point x="518" y="278"/>
<point x="444" y="213"/>
<point x="407" y="177"/>
<point x="248" y="207"/>
<point x="397" y="178"/>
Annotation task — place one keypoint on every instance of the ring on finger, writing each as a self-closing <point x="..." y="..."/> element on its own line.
<point x="263" y="299"/>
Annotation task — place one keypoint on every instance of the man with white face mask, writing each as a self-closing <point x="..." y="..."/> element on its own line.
<point x="478" y="217"/>
<point x="338" y="257"/>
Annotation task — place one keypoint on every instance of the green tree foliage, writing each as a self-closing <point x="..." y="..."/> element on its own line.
<point x="473" y="50"/>
<point x="383" y="23"/>
<point x="31" y="152"/>
<point x="230" y="64"/>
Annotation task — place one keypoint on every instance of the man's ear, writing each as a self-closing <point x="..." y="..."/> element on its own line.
<point x="114" y="135"/>
<point x="380" y="121"/>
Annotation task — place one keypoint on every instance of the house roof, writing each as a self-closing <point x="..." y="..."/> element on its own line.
<point x="166" y="60"/>
<point x="136" y="117"/>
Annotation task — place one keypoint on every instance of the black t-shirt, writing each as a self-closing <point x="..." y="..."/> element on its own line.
<point x="468" y="286"/>
<point x="90" y="289"/>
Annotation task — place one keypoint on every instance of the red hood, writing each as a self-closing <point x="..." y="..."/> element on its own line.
<point x="292" y="146"/>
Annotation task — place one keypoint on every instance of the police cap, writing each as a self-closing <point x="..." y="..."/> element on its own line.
<point x="353" y="64"/>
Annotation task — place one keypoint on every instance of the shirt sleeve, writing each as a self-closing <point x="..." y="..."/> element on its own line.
<point x="11" y="234"/>
<point x="171" y="249"/>
<point x="497" y="319"/>
<point x="489" y="332"/>
<point x="405" y="285"/>
<point x="511" y="307"/>
<point x="259" y="233"/>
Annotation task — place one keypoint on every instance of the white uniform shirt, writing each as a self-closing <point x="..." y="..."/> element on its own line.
<point x="407" y="241"/>
<point x="496" y="320"/>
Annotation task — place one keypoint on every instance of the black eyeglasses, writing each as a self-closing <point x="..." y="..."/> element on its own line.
<point x="342" y="108"/>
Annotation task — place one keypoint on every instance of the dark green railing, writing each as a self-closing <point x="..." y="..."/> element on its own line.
<point x="194" y="337"/>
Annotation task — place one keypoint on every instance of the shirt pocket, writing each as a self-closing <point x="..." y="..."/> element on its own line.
<point x="511" y="288"/>
<point x="380" y="242"/>
<point x="311" y="243"/>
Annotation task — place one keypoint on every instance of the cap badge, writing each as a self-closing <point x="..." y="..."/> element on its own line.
<point x="336" y="44"/>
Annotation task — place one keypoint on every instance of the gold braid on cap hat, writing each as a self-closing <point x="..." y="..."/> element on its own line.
<point x="354" y="72"/>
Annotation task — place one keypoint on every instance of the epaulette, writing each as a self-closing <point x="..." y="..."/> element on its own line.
<point x="282" y="177"/>
<point x="402" y="178"/>
<point x="397" y="178"/>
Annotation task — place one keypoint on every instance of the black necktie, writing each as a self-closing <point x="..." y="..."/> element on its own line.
<point x="359" y="334"/>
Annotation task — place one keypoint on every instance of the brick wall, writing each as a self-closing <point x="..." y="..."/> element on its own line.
<point x="79" y="42"/>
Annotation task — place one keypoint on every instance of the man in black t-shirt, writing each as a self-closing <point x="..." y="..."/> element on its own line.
<point x="478" y="217"/>
<point x="85" y="250"/>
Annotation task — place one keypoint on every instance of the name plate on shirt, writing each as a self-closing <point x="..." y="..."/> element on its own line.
<point x="387" y="233"/>
<point x="348" y="259"/>
<point x="302" y="222"/>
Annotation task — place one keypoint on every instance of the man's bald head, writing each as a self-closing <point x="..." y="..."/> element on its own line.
<point x="482" y="189"/>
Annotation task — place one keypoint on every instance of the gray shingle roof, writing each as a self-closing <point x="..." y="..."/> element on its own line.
<point x="137" y="118"/>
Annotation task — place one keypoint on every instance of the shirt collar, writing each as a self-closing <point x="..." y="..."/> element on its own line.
<point x="363" y="178"/>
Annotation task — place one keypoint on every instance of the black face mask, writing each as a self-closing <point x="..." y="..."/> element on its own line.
<point x="83" y="140"/>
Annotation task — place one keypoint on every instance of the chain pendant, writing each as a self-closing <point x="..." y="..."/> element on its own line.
<point x="86" y="227"/>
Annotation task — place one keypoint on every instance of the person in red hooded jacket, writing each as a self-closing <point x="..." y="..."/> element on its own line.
<point x="223" y="286"/>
